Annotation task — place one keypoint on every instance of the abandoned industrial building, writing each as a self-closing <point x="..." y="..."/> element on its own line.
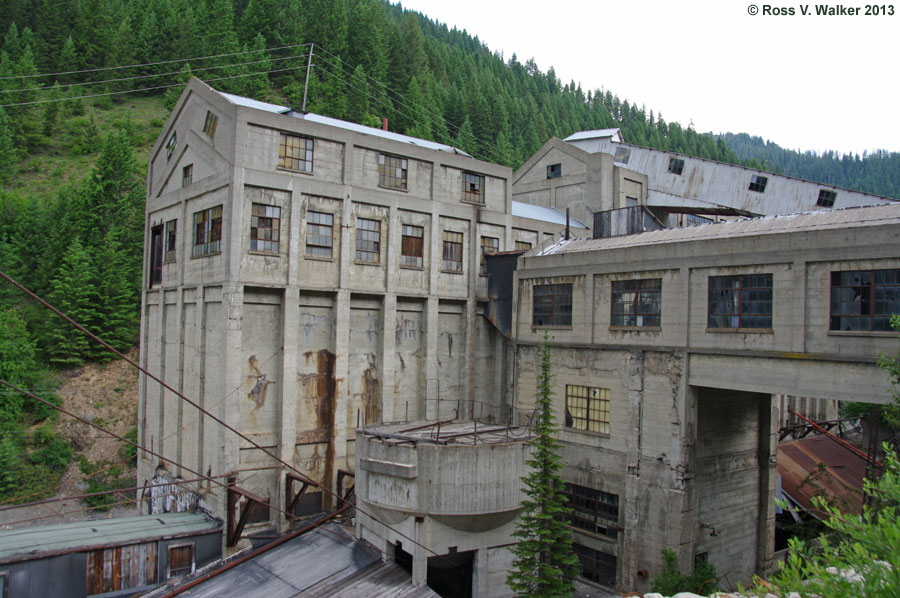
<point x="362" y="303"/>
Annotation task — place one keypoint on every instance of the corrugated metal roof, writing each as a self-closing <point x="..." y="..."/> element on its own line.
<point x="343" y="124"/>
<point x="34" y="542"/>
<point x="594" y="134"/>
<point x="323" y="562"/>
<point x="527" y="210"/>
<point x="840" y="479"/>
<point x="791" y="223"/>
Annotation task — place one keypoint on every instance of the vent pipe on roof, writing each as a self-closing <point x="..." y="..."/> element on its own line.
<point x="384" y="124"/>
<point x="567" y="224"/>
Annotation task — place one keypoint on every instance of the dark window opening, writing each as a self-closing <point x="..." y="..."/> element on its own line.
<point x="758" y="183"/>
<point x="623" y="154"/>
<point x="181" y="560"/>
<point x="554" y="171"/>
<point x="636" y="302"/>
<point x="743" y="301"/>
<point x="452" y="258"/>
<point x="826" y="198"/>
<point x="187" y="175"/>
<point x="265" y="228"/>
<point x="170" y="241"/>
<point x="402" y="558"/>
<point x="552" y="305"/>
<point x="450" y="575"/>
<point x="864" y="300"/>
<point x="488" y="245"/>
<point x="596" y="566"/>
<point x="473" y="187"/>
<point x="676" y="165"/>
<point x="156" y="255"/>
<point x="593" y="510"/>
<point x="412" y="246"/>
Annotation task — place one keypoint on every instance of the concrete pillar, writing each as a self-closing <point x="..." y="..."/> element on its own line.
<point x="389" y="411"/>
<point x="343" y="429"/>
<point x="289" y="392"/>
<point x="768" y="483"/>
<point x="432" y="405"/>
<point x="634" y="385"/>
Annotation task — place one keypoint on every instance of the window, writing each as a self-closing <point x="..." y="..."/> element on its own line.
<point x="595" y="565"/>
<point x="319" y="234"/>
<point x="295" y="153"/>
<point x="695" y="220"/>
<point x="171" y="145"/>
<point x="623" y="154"/>
<point x="265" y="228"/>
<point x="758" y="183"/>
<point x="488" y="245"/>
<point x="209" y="127"/>
<point x="473" y="187"/>
<point x="864" y="300"/>
<point x="636" y="302"/>
<point x="452" y="260"/>
<point x="181" y="559"/>
<point x="368" y="240"/>
<point x="676" y="165"/>
<point x="523" y="245"/>
<point x="587" y="408"/>
<point x="207" y="231"/>
<point x="743" y="301"/>
<point x="554" y="171"/>
<point x="187" y="175"/>
<point x="156" y="254"/>
<point x="592" y="510"/>
<point x="392" y="171"/>
<point x="411" y="246"/>
<point x="552" y="305"/>
<point x="826" y="198"/>
<point x="169" y="252"/>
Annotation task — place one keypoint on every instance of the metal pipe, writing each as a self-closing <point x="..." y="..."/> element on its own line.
<point x="839" y="440"/>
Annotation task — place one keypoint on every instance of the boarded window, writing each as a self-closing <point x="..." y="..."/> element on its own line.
<point x="622" y="155"/>
<point x="743" y="301"/>
<point x="596" y="566"/>
<point x="181" y="559"/>
<point x="392" y="171"/>
<point x="593" y="511"/>
<point x="319" y="234"/>
<point x="207" y="231"/>
<point x="209" y="126"/>
<point x="587" y="408"/>
<point x="552" y="305"/>
<point x="488" y="245"/>
<point x="368" y="240"/>
<point x="636" y="302"/>
<point x="295" y="153"/>
<point x="452" y="259"/>
<point x="412" y="244"/>
<point x="171" y="241"/>
<point x="864" y="300"/>
<point x="265" y="228"/>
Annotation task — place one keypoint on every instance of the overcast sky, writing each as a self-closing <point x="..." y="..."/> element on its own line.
<point x="805" y="82"/>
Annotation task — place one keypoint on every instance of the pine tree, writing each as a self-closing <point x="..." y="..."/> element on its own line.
<point x="544" y="564"/>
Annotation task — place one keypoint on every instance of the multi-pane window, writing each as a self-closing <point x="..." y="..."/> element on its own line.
<point x="368" y="240"/>
<point x="695" y="220"/>
<point x="758" y="183"/>
<point x="636" y="302"/>
<point x="552" y="305"/>
<point x="826" y="198"/>
<point x="171" y="145"/>
<point x="170" y="241"/>
<point x="488" y="245"/>
<point x="181" y="560"/>
<point x="453" y="246"/>
<point x="592" y="510"/>
<point x="864" y="300"/>
<point x="554" y="171"/>
<point x="319" y="234"/>
<point x="622" y="155"/>
<point x="207" y="231"/>
<point x="156" y="255"/>
<point x="523" y="245"/>
<point x="472" y="187"/>
<point x="392" y="171"/>
<point x="411" y="246"/>
<point x="743" y="301"/>
<point x="587" y="408"/>
<point x="265" y="228"/>
<point x="295" y="153"/>
<point x="209" y="127"/>
<point x="596" y="566"/>
<point x="676" y="165"/>
<point x="187" y="175"/>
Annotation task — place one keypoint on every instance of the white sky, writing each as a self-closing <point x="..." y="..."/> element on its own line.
<point x="804" y="82"/>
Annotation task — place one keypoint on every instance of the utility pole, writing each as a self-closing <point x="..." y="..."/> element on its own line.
<point x="308" y="68"/>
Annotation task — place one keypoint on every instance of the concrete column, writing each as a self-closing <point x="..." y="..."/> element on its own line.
<point x="343" y="429"/>
<point x="178" y="358"/>
<point x="431" y="367"/>
<point x="229" y="410"/>
<point x="768" y="483"/>
<point x="468" y="407"/>
<point x="634" y="385"/>
<point x="389" y="411"/>
<point x="289" y="391"/>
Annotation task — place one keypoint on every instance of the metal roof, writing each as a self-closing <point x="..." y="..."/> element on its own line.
<point x="527" y="210"/>
<point x="37" y="542"/>
<point x="792" y="223"/>
<point x="335" y="122"/>
<point x="596" y="133"/>
<point x="840" y="479"/>
<point x="325" y="562"/>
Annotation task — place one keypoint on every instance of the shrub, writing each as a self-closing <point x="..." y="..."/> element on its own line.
<point x="670" y="582"/>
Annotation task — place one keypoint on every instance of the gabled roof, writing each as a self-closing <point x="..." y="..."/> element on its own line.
<point x="552" y="143"/>
<point x="615" y="133"/>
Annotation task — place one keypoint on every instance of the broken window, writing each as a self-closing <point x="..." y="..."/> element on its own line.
<point x="523" y="245"/>
<point x="181" y="559"/>
<point x="554" y="171"/>
<point x="156" y="254"/>
<point x="207" y="232"/>
<point x="412" y="246"/>
<point x="636" y="302"/>
<point x="473" y="187"/>
<point x="319" y="234"/>
<point x="676" y="165"/>
<point x="593" y="511"/>
<point x="742" y="301"/>
<point x="169" y="254"/>
<point x="295" y="153"/>
<point x="452" y="259"/>
<point x="826" y="198"/>
<point x="864" y="300"/>
<point x="209" y="127"/>
<point x="758" y="183"/>
<point x="595" y="565"/>
<point x="695" y="220"/>
<point x="587" y="408"/>
<point x="187" y="175"/>
<point x="171" y="145"/>
<point x="392" y="171"/>
<point x="488" y="245"/>
<point x="622" y="155"/>
<point x="552" y="305"/>
<point x="368" y="240"/>
<point x="265" y="228"/>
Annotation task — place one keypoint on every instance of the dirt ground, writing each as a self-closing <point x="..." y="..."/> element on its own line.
<point x="105" y="394"/>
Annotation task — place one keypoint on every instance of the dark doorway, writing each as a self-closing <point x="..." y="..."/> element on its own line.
<point x="402" y="558"/>
<point x="156" y="255"/>
<point x="450" y="575"/>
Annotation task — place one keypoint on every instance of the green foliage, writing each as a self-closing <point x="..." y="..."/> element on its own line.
<point x="670" y="581"/>
<point x="890" y="414"/>
<point x="102" y="477"/>
<point x="129" y="451"/>
<point x="56" y="453"/>
<point x="9" y="464"/>
<point x="544" y="565"/>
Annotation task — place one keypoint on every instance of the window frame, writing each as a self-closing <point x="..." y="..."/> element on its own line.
<point x="758" y="183"/>
<point x="493" y="246"/>
<point x="589" y="416"/>
<point x="291" y="160"/>
<point x="193" y="547"/>
<point x="870" y="288"/>
<point x="472" y="180"/>
<point x="622" y="155"/>
<point x="598" y="519"/>
<point x="641" y="288"/>
<point x="586" y="553"/>
<point x="208" y="241"/>
<point x="416" y="259"/>
<point x="454" y="244"/>
<point x="560" y="319"/>
<point x="386" y="179"/>
<point x="739" y="300"/>
<point x="361" y="234"/>
<point x="317" y="232"/>
<point x="170" y="241"/>
<point x="271" y="240"/>
<point x="171" y="145"/>
<point x="523" y="245"/>
<point x="676" y="165"/>
<point x="156" y="256"/>
<point x="826" y="198"/>
<point x="554" y="171"/>
<point x="210" y="124"/>
<point x="187" y="175"/>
